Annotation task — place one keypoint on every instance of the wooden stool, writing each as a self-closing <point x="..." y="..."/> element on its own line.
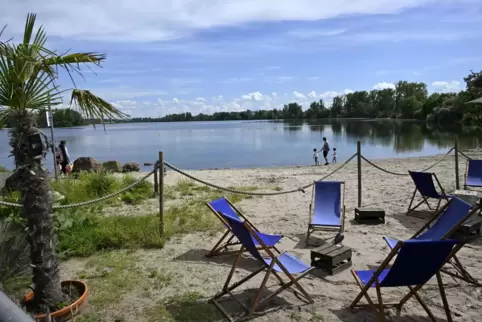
<point x="366" y="215"/>
<point x="331" y="258"/>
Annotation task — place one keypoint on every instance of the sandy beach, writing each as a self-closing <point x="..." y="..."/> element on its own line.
<point x="184" y="258"/>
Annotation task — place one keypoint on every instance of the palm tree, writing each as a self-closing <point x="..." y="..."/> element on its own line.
<point x="28" y="75"/>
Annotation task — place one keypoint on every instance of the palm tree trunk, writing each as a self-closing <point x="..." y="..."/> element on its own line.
<point x="34" y="186"/>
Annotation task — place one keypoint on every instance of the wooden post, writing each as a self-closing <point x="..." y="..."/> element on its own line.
<point x="456" y="149"/>
<point x="156" y="182"/>
<point x="358" y="158"/>
<point x="161" y="194"/>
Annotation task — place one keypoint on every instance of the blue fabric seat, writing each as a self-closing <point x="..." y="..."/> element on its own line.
<point x="473" y="176"/>
<point x="327" y="210"/>
<point x="416" y="262"/>
<point x="442" y="226"/>
<point x="425" y="185"/>
<point x="279" y="264"/>
<point x="224" y="206"/>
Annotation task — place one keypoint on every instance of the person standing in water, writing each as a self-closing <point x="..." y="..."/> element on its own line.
<point x="325" y="149"/>
<point x="65" y="156"/>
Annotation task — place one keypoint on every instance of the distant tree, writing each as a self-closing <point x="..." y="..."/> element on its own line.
<point x="408" y="100"/>
<point x="62" y="118"/>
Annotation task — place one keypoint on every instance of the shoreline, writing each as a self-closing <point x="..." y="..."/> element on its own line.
<point x="435" y="157"/>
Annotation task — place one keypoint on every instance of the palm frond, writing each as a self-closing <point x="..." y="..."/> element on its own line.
<point x="75" y="59"/>
<point x="94" y="107"/>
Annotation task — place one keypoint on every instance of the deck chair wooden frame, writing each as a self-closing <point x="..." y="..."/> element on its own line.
<point x="313" y="228"/>
<point x="460" y="271"/>
<point x="251" y="310"/>
<point x="228" y="239"/>
<point x="467" y="173"/>
<point x="443" y="196"/>
<point x="379" y="307"/>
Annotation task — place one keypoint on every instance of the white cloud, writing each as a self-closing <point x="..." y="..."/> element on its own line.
<point x="125" y="92"/>
<point x="445" y="86"/>
<point x="314" y="33"/>
<point x="255" y="96"/>
<point x="200" y="99"/>
<point x="383" y="85"/>
<point x="284" y="79"/>
<point x="312" y="94"/>
<point x="217" y="98"/>
<point x="237" y="80"/>
<point x="328" y="96"/>
<point x="274" y="94"/>
<point x="176" y="100"/>
<point x="271" y="68"/>
<point x="146" y="21"/>
<point x="314" y="78"/>
<point x="299" y="95"/>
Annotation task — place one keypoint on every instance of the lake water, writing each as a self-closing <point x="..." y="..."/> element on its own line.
<point x="242" y="144"/>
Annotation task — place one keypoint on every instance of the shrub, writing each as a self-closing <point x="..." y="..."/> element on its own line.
<point x="9" y="213"/>
<point x="14" y="252"/>
<point x="88" y="186"/>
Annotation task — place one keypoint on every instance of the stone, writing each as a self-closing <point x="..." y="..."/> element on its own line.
<point x="131" y="167"/>
<point x="88" y="164"/>
<point x="112" y="166"/>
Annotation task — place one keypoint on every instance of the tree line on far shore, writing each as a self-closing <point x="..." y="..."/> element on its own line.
<point x="408" y="100"/>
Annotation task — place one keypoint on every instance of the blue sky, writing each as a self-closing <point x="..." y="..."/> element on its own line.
<point x="209" y="55"/>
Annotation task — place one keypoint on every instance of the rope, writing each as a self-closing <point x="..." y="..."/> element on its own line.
<point x="249" y="193"/>
<point x="406" y="174"/>
<point x="89" y="202"/>
<point x="465" y="155"/>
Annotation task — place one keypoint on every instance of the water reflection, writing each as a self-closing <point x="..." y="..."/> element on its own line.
<point x="194" y="145"/>
<point x="404" y="136"/>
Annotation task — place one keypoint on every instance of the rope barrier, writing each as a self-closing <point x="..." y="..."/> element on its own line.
<point x="89" y="202"/>
<point x="465" y="155"/>
<point x="406" y="174"/>
<point x="254" y="193"/>
<point x="250" y="193"/>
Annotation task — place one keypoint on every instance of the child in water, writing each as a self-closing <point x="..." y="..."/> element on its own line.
<point x="334" y="155"/>
<point x="315" y="157"/>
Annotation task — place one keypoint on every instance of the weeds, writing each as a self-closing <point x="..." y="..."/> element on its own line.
<point x="88" y="186"/>
<point x="115" y="274"/>
<point x="186" y="307"/>
<point x="83" y="234"/>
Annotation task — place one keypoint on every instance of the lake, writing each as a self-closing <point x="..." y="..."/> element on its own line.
<point x="244" y="144"/>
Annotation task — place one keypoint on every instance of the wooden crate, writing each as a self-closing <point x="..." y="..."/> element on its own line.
<point x="471" y="226"/>
<point x="331" y="258"/>
<point x="367" y="215"/>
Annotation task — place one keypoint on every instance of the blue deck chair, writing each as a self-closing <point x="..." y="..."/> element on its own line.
<point x="473" y="174"/>
<point x="327" y="207"/>
<point x="228" y="239"/>
<point x="417" y="261"/>
<point x="276" y="264"/>
<point x="425" y="185"/>
<point x="442" y="226"/>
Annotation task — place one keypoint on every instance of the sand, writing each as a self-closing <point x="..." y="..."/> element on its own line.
<point x="288" y="215"/>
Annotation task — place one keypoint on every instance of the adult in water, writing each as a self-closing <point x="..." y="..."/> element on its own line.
<point x="325" y="149"/>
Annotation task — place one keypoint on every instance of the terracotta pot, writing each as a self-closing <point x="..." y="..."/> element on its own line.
<point x="69" y="311"/>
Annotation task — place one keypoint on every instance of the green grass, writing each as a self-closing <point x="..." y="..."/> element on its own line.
<point x="184" y="308"/>
<point x="110" y="276"/>
<point x="84" y="234"/>
<point x="3" y="169"/>
<point x="88" y="186"/>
